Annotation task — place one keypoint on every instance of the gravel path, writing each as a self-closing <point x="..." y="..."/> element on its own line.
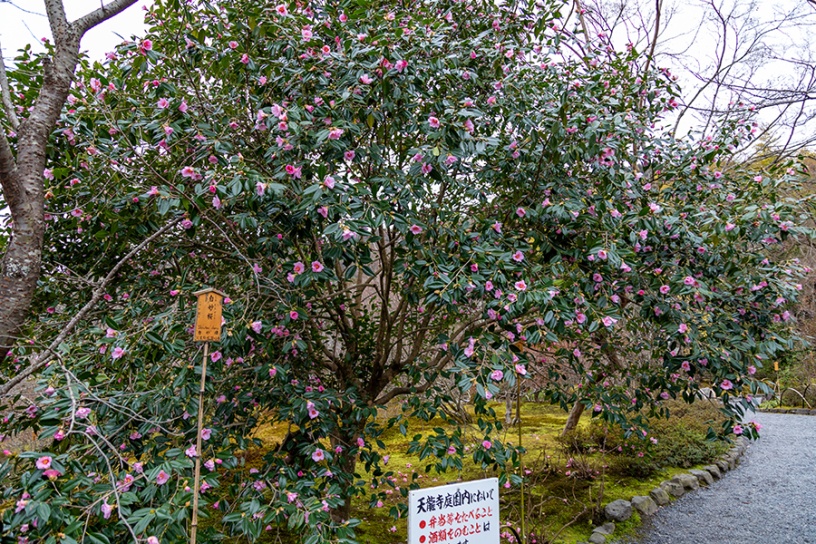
<point x="769" y="498"/>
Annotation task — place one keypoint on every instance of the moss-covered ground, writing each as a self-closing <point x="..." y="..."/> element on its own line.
<point x="566" y="482"/>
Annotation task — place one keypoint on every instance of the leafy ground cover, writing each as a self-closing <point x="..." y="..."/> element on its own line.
<point x="567" y="479"/>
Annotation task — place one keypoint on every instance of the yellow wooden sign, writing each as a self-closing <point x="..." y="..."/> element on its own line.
<point x="208" y="315"/>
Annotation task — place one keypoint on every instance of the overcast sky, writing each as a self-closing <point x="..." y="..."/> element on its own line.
<point x="20" y="27"/>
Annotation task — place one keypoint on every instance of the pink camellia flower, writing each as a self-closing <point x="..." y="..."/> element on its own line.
<point x="318" y="455"/>
<point x="293" y="315"/>
<point x="59" y="435"/>
<point x="117" y="352"/>
<point x="752" y="370"/>
<point x="365" y="79"/>
<point x="191" y="451"/>
<point x="329" y="182"/>
<point x="44" y="462"/>
<point x="206" y="433"/>
<point x="280" y="9"/>
<point x="433" y="122"/>
<point x="298" y="268"/>
<point x="306" y="34"/>
<point x="272" y="372"/>
<point x="518" y="256"/>
<point x="188" y="172"/>
<point x="737" y="429"/>
<point x="608" y="321"/>
<point x="335" y="133"/>
<point x="597" y="278"/>
<point x="349" y="155"/>
<point x="162" y="103"/>
<point x="83" y="412"/>
<point x="756" y="425"/>
<point x="415" y="229"/>
<point x="486" y="444"/>
<point x="360" y="442"/>
<point x="317" y="267"/>
<point x="688" y="280"/>
<point x="726" y="385"/>
<point x="174" y="292"/>
<point x="51" y="474"/>
<point x="497" y="375"/>
<point x="162" y="477"/>
<point x="683" y="328"/>
<point x="215" y="356"/>
<point x="183" y="107"/>
<point x="244" y="59"/>
<point x="520" y="285"/>
<point x="256" y="326"/>
<point x="520" y="370"/>
<point x="685" y="366"/>
<point x="664" y="289"/>
<point x="107" y="509"/>
<point x="401" y="65"/>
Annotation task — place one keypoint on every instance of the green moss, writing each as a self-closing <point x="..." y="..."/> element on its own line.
<point x="563" y="487"/>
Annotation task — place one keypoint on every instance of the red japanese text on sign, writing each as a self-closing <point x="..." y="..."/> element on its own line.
<point x="463" y="513"/>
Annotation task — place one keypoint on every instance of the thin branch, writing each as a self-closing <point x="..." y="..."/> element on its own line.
<point x="44" y="357"/>
<point x="6" y="94"/>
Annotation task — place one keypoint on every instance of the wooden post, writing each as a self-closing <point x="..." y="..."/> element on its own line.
<point x="197" y="484"/>
<point x="207" y="329"/>
<point x="521" y="460"/>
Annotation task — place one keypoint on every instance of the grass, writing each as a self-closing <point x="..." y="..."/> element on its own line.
<point x="564" y="483"/>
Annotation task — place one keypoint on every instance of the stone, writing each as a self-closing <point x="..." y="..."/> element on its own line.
<point x="706" y="393"/>
<point x="714" y="470"/>
<point x="645" y="505"/>
<point x="606" y="529"/>
<point x="619" y="510"/>
<point x="702" y="476"/>
<point x="660" y="496"/>
<point x="674" y="489"/>
<point x="687" y="480"/>
<point x="722" y="465"/>
<point x="597" y="538"/>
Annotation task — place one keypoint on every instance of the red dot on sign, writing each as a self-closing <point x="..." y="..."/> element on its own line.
<point x="422" y="524"/>
<point x="422" y="538"/>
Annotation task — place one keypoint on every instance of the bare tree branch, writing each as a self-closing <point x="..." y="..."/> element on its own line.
<point x="101" y="14"/>
<point x="45" y="356"/>
<point x="8" y="105"/>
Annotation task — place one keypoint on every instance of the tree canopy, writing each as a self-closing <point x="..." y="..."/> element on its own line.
<point x="404" y="203"/>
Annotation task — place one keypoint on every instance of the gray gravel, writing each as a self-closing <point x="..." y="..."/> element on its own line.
<point x="769" y="498"/>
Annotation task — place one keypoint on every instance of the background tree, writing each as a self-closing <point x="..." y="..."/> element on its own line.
<point x="23" y="144"/>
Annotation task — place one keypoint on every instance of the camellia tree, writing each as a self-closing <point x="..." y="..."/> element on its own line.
<point x="399" y="200"/>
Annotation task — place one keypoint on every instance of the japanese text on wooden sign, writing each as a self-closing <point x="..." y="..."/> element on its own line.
<point x="464" y="513"/>
<point x="208" y="316"/>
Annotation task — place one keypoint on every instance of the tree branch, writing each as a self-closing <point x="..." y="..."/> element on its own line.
<point x="57" y="19"/>
<point x="8" y="105"/>
<point x="105" y="12"/>
<point x="44" y="357"/>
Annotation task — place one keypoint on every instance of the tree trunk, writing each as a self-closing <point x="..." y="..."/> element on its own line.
<point x="347" y="465"/>
<point x="573" y="418"/>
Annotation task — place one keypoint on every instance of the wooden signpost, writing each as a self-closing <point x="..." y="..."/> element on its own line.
<point x="207" y="329"/>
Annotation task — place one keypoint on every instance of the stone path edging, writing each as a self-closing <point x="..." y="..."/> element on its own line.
<point x="621" y="510"/>
<point x="798" y="411"/>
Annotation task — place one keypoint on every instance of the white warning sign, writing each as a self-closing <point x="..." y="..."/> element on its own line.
<point x="463" y="513"/>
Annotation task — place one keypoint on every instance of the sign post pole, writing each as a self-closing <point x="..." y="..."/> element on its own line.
<point x="207" y="329"/>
